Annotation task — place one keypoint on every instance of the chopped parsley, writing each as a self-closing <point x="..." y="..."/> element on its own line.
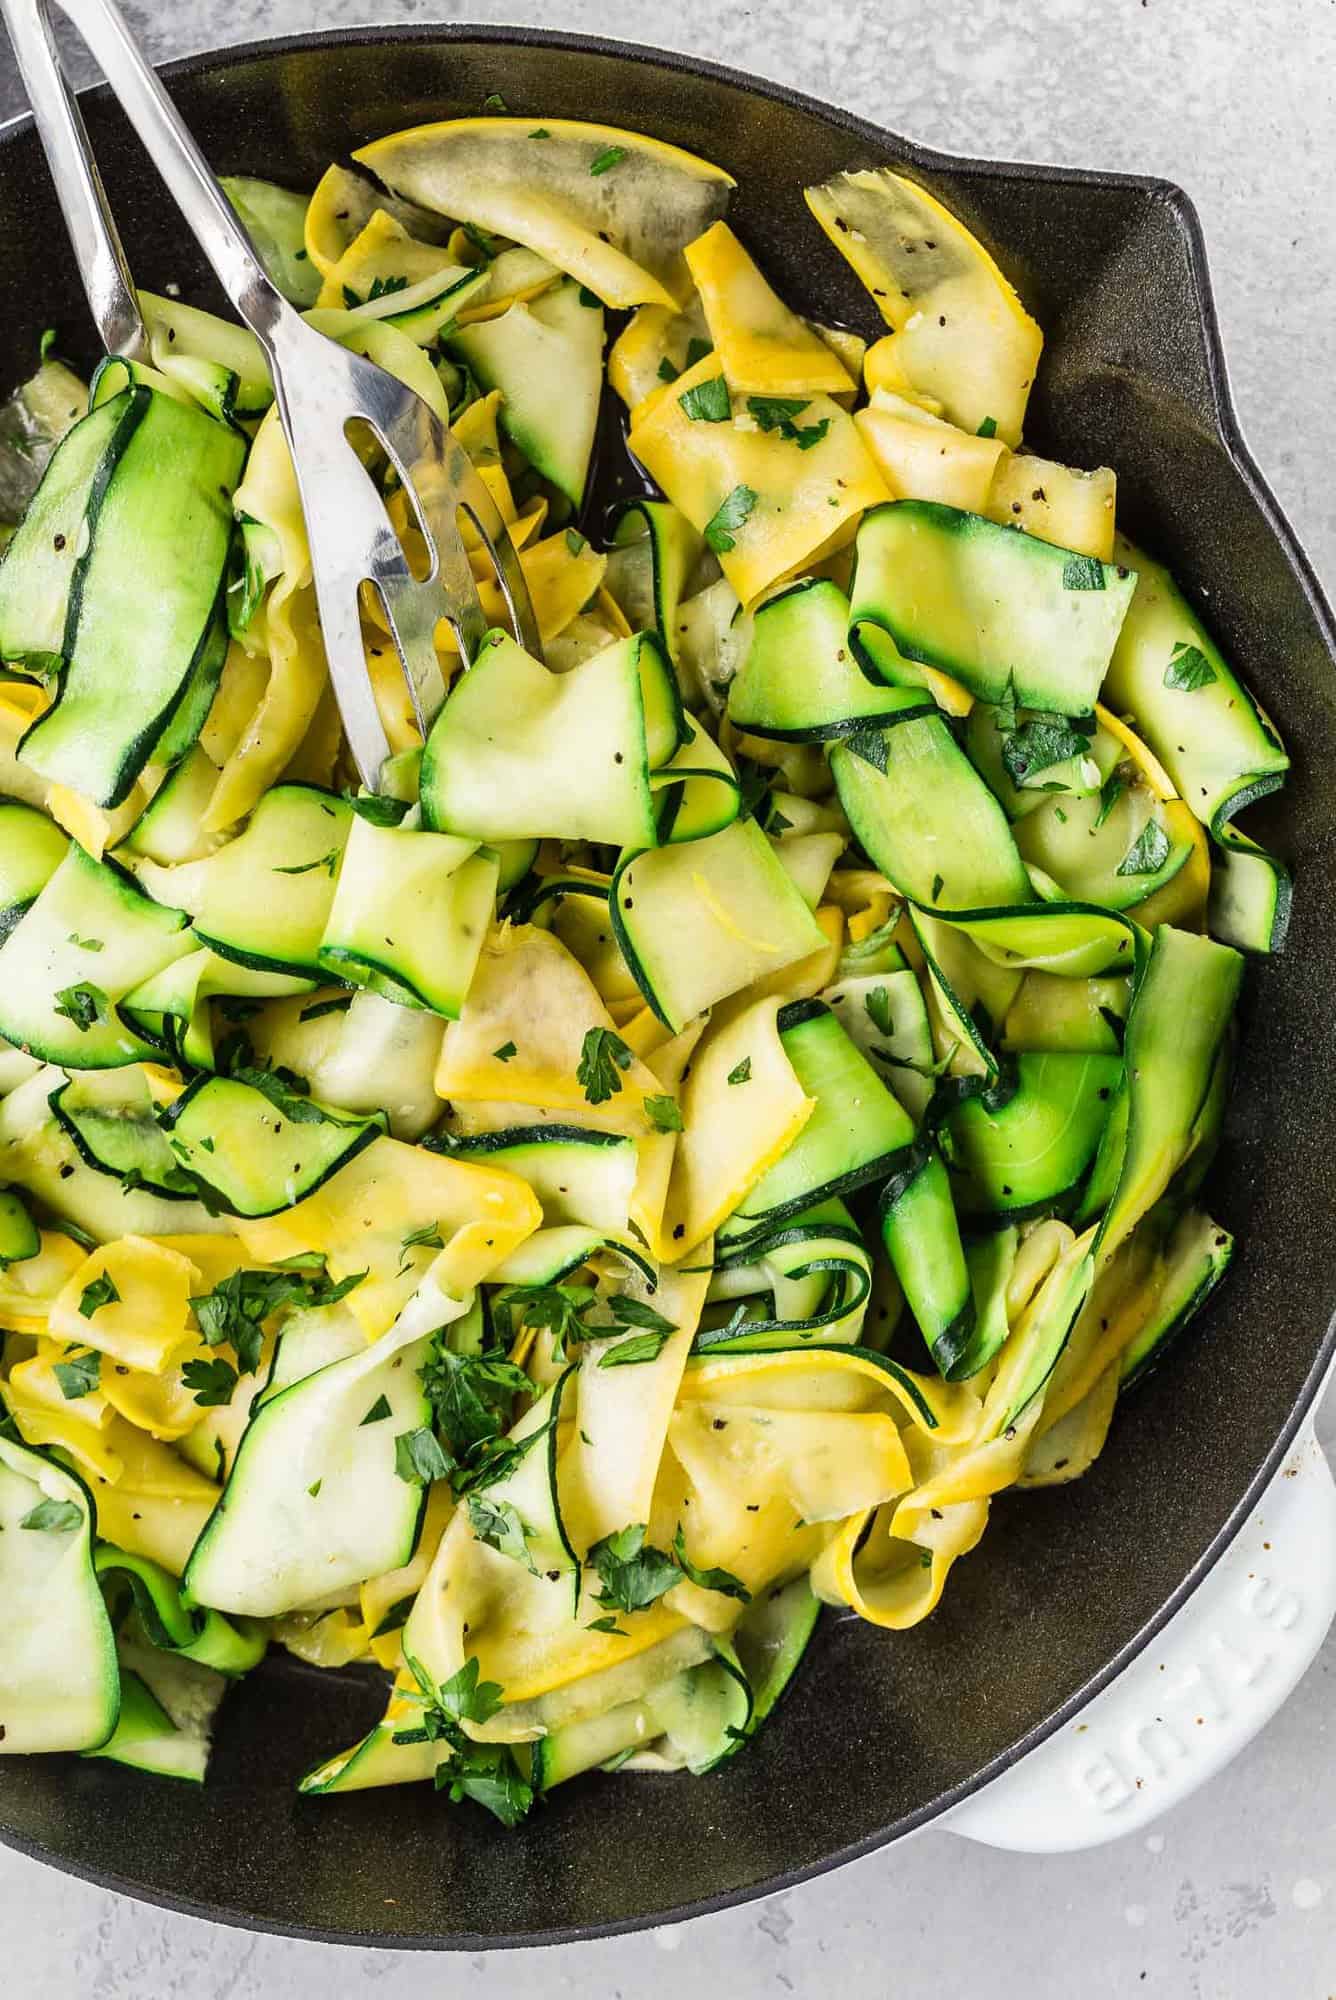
<point x="381" y="288"/>
<point x="988" y="428"/>
<point x="938" y="884"/>
<point x="607" y="1624"/>
<point x="1039" y="744"/>
<point x="505" y="1052"/>
<point x="418" y="1457"/>
<point x="85" y="944"/>
<point x="708" y="402"/>
<point x="1083" y="573"/>
<point x="319" y="1008"/>
<point x="211" y="1382"/>
<point x="497" y="1523"/>
<point x="664" y="1114"/>
<point x="376" y="808"/>
<point x="779" y="413"/>
<point x="611" y="156"/>
<point x="236" y="1309"/>
<point x="635" y="1348"/>
<point x="1148" y="852"/>
<point x="602" y="1054"/>
<point x="871" y="746"/>
<point x="484" y="1772"/>
<point x="84" y="1004"/>
<point x="742" y="1073"/>
<point x="79" y="1376"/>
<point x="667" y="372"/>
<point x="558" y="1308"/>
<point x="329" y="862"/>
<point x="877" y="1004"/>
<point x="427" y="1238"/>
<point x="697" y="349"/>
<point x="728" y="517"/>
<point x="1188" y="669"/>
<point x="101" y="1292"/>
<point x="540" y="132"/>
<point x="721" y="1580"/>
<point x="1109" y="794"/>
<point x="633" y="1573"/>
<point x="55" y="1517"/>
<point x="472" y="1399"/>
<point x="495" y="103"/>
<point x="377" y="1414"/>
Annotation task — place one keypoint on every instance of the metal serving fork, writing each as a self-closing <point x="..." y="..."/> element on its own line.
<point x="321" y="389"/>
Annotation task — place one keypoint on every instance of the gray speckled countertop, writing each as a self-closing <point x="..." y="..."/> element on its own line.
<point x="1233" y="1895"/>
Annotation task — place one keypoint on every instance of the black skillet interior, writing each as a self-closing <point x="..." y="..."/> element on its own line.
<point x="879" y="1732"/>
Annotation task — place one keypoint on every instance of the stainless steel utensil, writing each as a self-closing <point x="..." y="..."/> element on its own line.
<point x="322" y="390"/>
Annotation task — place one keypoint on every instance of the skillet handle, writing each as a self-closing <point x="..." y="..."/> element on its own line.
<point x="1196" y="1696"/>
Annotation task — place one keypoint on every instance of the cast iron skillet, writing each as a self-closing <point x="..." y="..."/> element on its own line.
<point x="879" y="1733"/>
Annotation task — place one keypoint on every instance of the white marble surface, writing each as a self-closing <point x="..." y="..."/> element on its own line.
<point x="1233" y="1897"/>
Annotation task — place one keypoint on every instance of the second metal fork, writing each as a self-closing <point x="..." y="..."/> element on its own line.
<point x="322" y="391"/>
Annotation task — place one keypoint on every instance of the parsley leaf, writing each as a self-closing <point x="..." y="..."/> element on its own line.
<point x="560" y="1308"/>
<point x="376" y="808"/>
<point x="609" y="157"/>
<point x="472" y="1397"/>
<point x="418" y="1457"/>
<point x="633" y="1573"/>
<point x="484" y="1772"/>
<point x="1148" y="852"/>
<point x="664" y="1114"/>
<point x="289" y="1093"/>
<point x="667" y="372"/>
<point x="730" y="515"/>
<point x="697" y="349"/>
<point x="1188" y="669"/>
<point x="318" y="1009"/>
<point x="877" y="1004"/>
<point x="540" y="132"/>
<point x="708" y="402"/>
<point x="988" y="428"/>
<point x="329" y="862"/>
<point x="497" y="1523"/>
<point x="1109" y="794"/>
<point x="1083" y="573"/>
<point x="84" y="1004"/>
<point x="938" y="884"/>
<point x="57" y="1517"/>
<point x="489" y="1775"/>
<point x="1039" y="744"/>
<point x="377" y="1414"/>
<point x="427" y="1238"/>
<point x="778" y="413"/>
<point x="212" y="1381"/>
<point x="871" y="746"/>
<point x="607" y="1624"/>
<point x="236" y="1309"/>
<point x="505" y="1052"/>
<point x="602" y="1054"/>
<point x="721" y="1580"/>
<point x="102" y="1292"/>
<point x="742" y="1074"/>
<point x="495" y="102"/>
<point x="634" y="1312"/>
<point x="635" y="1348"/>
<point x="1005" y="714"/>
<point x="80" y="1376"/>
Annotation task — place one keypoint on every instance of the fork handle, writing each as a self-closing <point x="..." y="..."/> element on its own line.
<point x="189" y="179"/>
<point x="83" y="199"/>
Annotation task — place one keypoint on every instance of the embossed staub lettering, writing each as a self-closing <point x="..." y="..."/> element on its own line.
<point x="1225" y="1675"/>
